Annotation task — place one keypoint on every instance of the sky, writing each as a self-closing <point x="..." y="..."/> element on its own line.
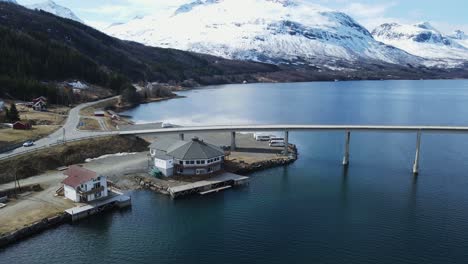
<point x="446" y="15"/>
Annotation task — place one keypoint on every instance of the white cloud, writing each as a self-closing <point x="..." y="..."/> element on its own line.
<point x="370" y="15"/>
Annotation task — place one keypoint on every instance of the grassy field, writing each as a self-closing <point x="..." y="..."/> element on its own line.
<point x="54" y="116"/>
<point x="10" y="136"/>
<point x="89" y="124"/>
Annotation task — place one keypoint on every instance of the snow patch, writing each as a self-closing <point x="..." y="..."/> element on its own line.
<point x="122" y="154"/>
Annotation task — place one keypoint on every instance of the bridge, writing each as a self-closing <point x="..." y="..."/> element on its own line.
<point x="346" y="129"/>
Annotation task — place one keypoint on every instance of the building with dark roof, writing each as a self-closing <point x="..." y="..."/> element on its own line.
<point x="83" y="185"/>
<point x="194" y="157"/>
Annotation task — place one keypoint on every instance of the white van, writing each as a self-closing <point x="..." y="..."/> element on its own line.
<point x="261" y="137"/>
<point x="277" y="144"/>
<point x="272" y="139"/>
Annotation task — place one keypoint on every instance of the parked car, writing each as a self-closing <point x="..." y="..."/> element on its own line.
<point x="28" y="143"/>
<point x="167" y="125"/>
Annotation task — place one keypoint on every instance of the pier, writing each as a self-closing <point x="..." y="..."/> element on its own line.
<point x="116" y="199"/>
<point x="214" y="184"/>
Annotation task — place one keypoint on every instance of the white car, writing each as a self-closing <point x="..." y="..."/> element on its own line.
<point x="28" y="143"/>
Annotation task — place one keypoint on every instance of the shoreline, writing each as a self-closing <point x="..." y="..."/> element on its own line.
<point x="235" y="166"/>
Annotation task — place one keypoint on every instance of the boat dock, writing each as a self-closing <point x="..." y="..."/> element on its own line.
<point x="115" y="199"/>
<point x="215" y="184"/>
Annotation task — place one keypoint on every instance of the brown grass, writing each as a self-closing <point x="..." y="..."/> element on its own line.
<point x="89" y="124"/>
<point x="31" y="164"/>
<point x="10" y="136"/>
<point x="54" y="116"/>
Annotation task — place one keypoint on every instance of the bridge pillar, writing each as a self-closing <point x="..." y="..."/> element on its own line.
<point x="286" y="143"/>
<point x="181" y="136"/>
<point x="416" y="158"/>
<point x="233" y="141"/>
<point x="346" y="154"/>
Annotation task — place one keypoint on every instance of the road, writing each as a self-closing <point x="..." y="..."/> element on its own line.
<point x="68" y="131"/>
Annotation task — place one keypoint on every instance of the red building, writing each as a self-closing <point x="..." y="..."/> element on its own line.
<point x="21" y="126"/>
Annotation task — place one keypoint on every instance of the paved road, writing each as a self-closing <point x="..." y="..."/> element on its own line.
<point x="68" y="131"/>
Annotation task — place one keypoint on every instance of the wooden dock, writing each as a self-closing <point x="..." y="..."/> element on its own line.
<point x="115" y="199"/>
<point x="215" y="184"/>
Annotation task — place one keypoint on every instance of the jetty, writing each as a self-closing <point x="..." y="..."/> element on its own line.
<point x="115" y="199"/>
<point x="215" y="184"/>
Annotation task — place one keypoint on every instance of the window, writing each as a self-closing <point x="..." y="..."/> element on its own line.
<point x="97" y="185"/>
<point x="198" y="162"/>
<point x="181" y="162"/>
<point x="192" y="162"/>
<point x="202" y="162"/>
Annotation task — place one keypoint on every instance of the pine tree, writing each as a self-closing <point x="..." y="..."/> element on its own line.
<point x="13" y="114"/>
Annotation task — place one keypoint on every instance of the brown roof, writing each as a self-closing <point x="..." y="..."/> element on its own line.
<point x="78" y="175"/>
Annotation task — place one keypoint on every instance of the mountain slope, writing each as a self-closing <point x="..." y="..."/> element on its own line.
<point x="53" y="8"/>
<point x="423" y="40"/>
<point x="460" y="37"/>
<point x="272" y="31"/>
<point x="38" y="46"/>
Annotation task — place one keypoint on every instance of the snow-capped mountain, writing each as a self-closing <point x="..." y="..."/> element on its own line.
<point x="9" y="1"/>
<point x="422" y="40"/>
<point x="53" y="8"/>
<point x="460" y="37"/>
<point x="273" y="31"/>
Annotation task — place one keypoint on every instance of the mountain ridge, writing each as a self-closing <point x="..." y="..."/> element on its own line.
<point x="424" y="40"/>
<point x="270" y="31"/>
<point x="58" y="10"/>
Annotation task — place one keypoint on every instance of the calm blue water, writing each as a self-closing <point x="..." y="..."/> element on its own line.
<point x="312" y="211"/>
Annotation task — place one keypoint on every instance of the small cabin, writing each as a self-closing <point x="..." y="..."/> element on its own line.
<point x="99" y="113"/>
<point x="21" y="126"/>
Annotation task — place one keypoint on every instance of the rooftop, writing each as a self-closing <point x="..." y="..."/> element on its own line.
<point x="78" y="175"/>
<point x="187" y="150"/>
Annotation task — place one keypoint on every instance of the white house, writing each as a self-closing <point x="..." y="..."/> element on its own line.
<point x="194" y="157"/>
<point x="83" y="185"/>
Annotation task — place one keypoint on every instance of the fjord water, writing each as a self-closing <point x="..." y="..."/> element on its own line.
<point x="312" y="211"/>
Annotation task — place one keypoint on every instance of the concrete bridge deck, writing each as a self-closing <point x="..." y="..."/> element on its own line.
<point x="286" y="128"/>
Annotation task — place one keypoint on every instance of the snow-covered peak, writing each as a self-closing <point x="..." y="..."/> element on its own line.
<point x="58" y="10"/>
<point x="460" y="35"/>
<point x="422" y="40"/>
<point x="422" y="32"/>
<point x="273" y="31"/>
<point x="425" y="25"/>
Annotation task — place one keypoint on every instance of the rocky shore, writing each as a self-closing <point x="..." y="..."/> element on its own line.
<point x="33" y="229"/>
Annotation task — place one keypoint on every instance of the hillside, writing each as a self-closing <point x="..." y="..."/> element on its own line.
<point x="38" y="46"/>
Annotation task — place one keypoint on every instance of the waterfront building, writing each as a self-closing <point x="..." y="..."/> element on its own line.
<point x="194" y="157"/>
<point x="83" y="185"/>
